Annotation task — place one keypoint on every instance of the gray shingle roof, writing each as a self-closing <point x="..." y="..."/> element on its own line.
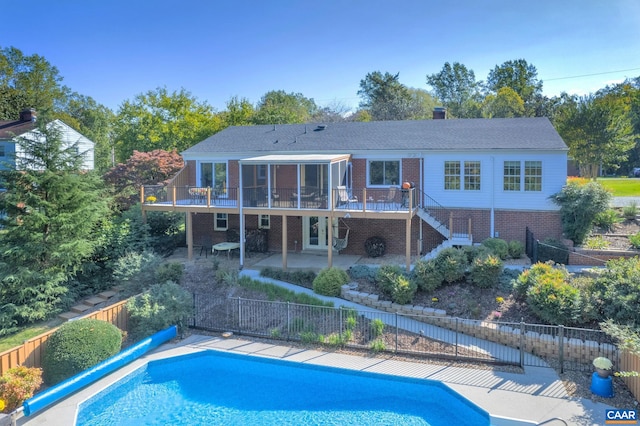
<point x="351" y="137"/>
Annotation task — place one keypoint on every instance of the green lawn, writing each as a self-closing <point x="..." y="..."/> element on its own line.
<point x="622" y="187"/>
<point x="17" y="339"/>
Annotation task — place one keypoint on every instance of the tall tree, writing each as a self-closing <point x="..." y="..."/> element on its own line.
<point x="519" y="76"/>
<point x="457" y="88"/>
<point x="51" y="210"/>
<point x="505" y="104"/>
<point x="239" y="112"/>
<point x="385" y="97"/>
<point x="94" y="121"/>
<point x="279" y="107"/>
<point x="27" y="82"/>
<point x="142" y="168"/>
<point x="598" y="132"/>
<point x="162" y="120"/>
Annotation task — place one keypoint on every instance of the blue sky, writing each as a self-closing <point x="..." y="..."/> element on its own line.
<point x="113" y="50"/>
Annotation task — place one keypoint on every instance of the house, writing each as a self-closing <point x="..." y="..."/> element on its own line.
<point x="419" y="185"/>
<point x="25" y="126"/>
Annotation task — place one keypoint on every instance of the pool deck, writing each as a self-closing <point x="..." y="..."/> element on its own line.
<point x="535" y="396"/>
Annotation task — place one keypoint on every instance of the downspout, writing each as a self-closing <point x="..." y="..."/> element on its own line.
<point x="493" y="196"/>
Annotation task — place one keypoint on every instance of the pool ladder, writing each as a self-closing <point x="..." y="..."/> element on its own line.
<point x="553" y="419"/>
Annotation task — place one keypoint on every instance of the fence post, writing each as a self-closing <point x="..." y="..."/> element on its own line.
<point x="397" y="337"/>
<point x="561" y="347"/>
<point x="340" y="327"/>
<point x="288" y="321"/>
<point x="457" y="337"/>
<point x="521" y="344"/>
<point x="239" y="314"/>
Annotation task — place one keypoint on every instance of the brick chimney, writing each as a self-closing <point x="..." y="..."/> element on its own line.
<point x="28" y="114"/>
<point x="439" y="113"/>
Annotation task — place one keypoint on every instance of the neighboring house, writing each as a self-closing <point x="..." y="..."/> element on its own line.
<point x="420" y="185"/>
<point x="26" y="127"/>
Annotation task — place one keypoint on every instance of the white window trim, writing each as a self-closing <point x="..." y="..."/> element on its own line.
<point x="523" y="176"/>
<point x="199" y="169"/>
<point x="221" y="216"/>
<point x="268" y="221"/>
<point x="398" y="160"/>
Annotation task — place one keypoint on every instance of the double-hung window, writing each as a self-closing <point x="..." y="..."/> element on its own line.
<point x="459" y="173"/>
<point x="221" y="222"/>
<point x="384" y="172"/>
<point x="522" y="176"/>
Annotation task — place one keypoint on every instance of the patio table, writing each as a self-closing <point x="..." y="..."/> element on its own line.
<point x="228" y="246"/>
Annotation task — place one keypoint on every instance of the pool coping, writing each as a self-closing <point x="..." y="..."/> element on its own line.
<point x="536" y="396"/>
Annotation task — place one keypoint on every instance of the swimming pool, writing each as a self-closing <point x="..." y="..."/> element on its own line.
<point x="212" y="387"/>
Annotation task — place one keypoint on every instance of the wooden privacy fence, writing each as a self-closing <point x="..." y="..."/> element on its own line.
<point x="631" y="362"/>
<point x="31" y="351"/>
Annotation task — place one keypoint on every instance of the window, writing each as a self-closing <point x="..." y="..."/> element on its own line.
<point x="511" y="180"/>
<point x="515" y="180"/>
<point x="264" y="221"/>
<point x="533" y="175"/>
<point x="451" y="175"/>
<point x="384" y="173"/>
<point x="472" y="176"/>
<point x="221" y="222"/>
<point x="213" y="175"/>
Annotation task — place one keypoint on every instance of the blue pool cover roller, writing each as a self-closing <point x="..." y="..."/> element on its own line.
<point x="80" y="380"/>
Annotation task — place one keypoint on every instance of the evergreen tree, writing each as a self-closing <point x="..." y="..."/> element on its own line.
<point x="51" y="209"/>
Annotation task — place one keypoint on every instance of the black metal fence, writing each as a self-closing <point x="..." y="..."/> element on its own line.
<point x="564" y="348"/>
<point x="531" y="246"/>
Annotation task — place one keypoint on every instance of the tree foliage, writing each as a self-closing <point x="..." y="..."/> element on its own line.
<point x="142" y="168"/>
<point x="162" y="120"/>
<point x="598" y="131"/>
<point x="519" y="76"/>
<point x="385" y="97"/>
<point x="279" y="107"/>
<point x="457" y="88"/>
<point x="505" y="104"/>
<point x="27" y="82"/>
<point x="51" y="211"/>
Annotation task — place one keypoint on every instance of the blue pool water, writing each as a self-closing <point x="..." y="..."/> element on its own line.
<point x="210" y="387"/>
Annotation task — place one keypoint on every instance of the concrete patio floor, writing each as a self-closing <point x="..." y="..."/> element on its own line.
<point x="307" y="261"/>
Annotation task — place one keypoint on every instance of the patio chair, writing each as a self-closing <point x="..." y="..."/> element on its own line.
<point x="344" y="198"/>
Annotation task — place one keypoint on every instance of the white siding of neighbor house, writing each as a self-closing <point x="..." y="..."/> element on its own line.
<point x="69" y="136"/>
<point x="491" y="193"/>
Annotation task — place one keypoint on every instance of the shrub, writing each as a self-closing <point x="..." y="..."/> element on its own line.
<point x="350" y="323"/>
<point x="485" y="271"/>
<point x="163" y="305"/>
<point x="329" y="281"/>
<point x="498" y="246"/>
<point x="302" y="278"/>
<point x="17" y="385"/>
<point x="553" y="250"/>
<point x="171" y="271"/>
<point x="135" y="272"/>
<point x="579" y="205"/>
<point x="607" y="220"/>
<point x="358" y="272"/>
<point x="377" y="328"/>
<point x="375" y="246"/>
<point x="386" y="277"/>
<point x="530" y="276"/>
<point x="554" y="300"/>
<point x="378" y="345"/>
<point x="596" y="242"/>
<point x="630" y="211"/>
<point x="617" y="291"/>
<point x="403" y="290"/>
<point x="78" y="345"/>
<point x="635" y="240"/>
<point x="452" y="264"/>
<point x="475" y="251"/>
<point x="427" y="275"/>
<point x="515" y="249"/>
